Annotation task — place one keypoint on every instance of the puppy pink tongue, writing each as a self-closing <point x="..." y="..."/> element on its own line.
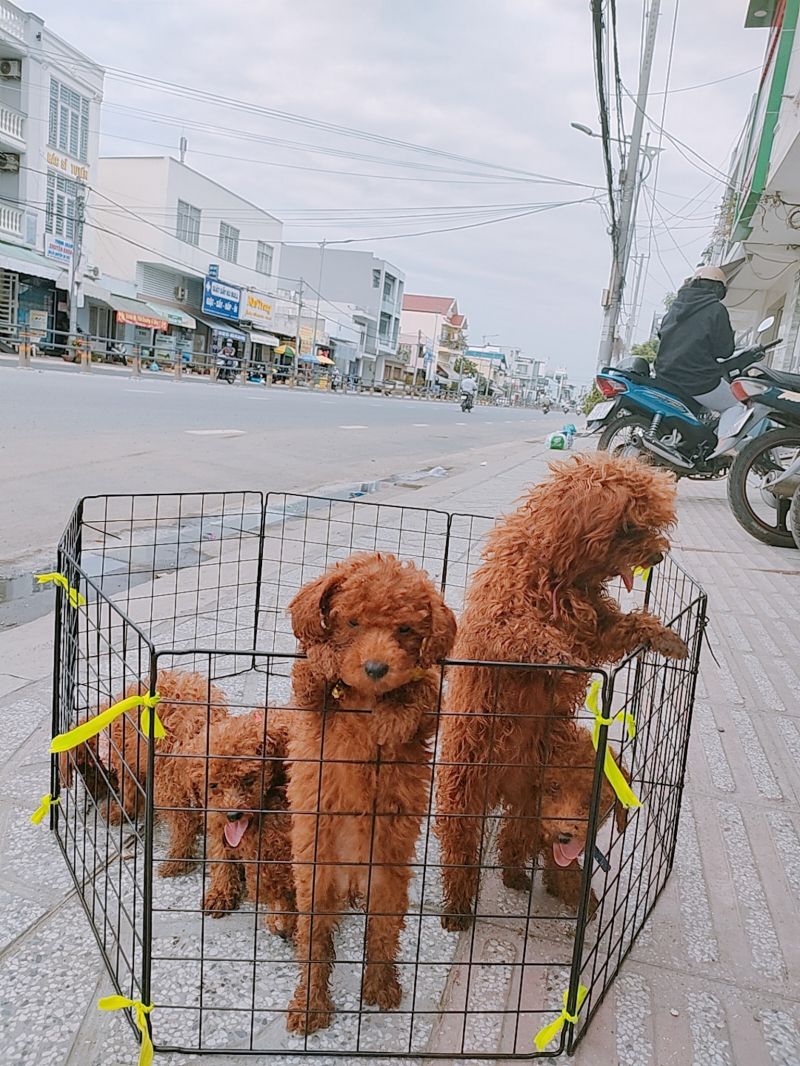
<point x="234" y="831"/>
<point x="627" y="578"/>
<point x="565" y="854"/>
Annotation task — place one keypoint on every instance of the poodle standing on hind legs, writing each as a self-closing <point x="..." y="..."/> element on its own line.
<point x="359" y="748"/>
<point x="540" y="596"/>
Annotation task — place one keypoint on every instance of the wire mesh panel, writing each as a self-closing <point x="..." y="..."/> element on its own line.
<point x="212" y="881"/>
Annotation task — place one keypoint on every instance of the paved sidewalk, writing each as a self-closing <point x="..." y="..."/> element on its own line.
<point x="715" y="978"/>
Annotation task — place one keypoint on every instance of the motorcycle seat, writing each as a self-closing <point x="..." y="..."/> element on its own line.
<point x="780" y="377"/>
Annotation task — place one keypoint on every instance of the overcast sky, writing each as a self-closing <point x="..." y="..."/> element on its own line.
<point x="498" y="83"/>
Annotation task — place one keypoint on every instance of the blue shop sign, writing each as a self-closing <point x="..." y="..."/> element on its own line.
<point x="221" y="300"/>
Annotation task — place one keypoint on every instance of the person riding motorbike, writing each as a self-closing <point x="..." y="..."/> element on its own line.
<point x="469" y="388"/>
<point x="697" y="342"/>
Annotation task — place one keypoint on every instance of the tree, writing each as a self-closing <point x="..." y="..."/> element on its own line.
<point x="590" y="399"/>
<point x="669" y="299"/>
<point x="647" y="350"/>
<point x="462" y="365"/>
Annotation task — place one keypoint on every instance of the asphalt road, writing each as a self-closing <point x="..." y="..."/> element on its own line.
<point x="67" y="435"/>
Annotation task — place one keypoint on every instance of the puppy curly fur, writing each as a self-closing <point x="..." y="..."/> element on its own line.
<point x="236" y="783"/>
<point x="114" y="763"/>
<point x="540" y="596"/>
<point x="562" y="821"/>
<point x="359" y="752"/>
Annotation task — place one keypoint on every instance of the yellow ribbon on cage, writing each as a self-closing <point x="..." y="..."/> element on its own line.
<point x="75" y="598"/>
<point x="86" y="730"/>
<point x="616" y="778"/>
<point x="552" y="1029"/>
<point x="140" y="1012"/>
<point x="642" y="572"/>
<point x="43" y="809"/>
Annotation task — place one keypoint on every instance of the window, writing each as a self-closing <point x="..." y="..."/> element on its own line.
<point x="388" y="287"/>
<point x="68" y="124"/>
<point x="188" y="227"/>
<point x="228" y="242"/>
<point x="264" y="254"/>
<point x="376" y="279"/>
<point x="61" y="210"/>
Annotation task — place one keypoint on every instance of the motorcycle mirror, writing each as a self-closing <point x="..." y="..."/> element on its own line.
<point x="764" y="326"/>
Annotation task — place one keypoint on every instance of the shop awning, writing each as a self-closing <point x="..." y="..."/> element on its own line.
<point x="220" y="327"/>
<point x="176" y="316"/>
<point x="136" y="313"/>
<point x="26" y="261"/>
<point x="265" y="338"/>
<point x="325" y="360"/>
<point x="314" y="359"/>
<point x="285" y="349"/>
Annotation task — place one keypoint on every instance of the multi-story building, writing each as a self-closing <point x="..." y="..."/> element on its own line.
<point x="373" y="289"/>
<point x="492" y="366"/>
<point x="200" y="261"/>
<point x="50" y="97"/>
<point x="525" y="373"/>
<point x="757" y="234"/>
<point x="436" y="318"/>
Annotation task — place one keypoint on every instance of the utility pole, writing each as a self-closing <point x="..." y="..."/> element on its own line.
<point x="184" y="144"/>
<point x="75" y="274"/>
<point x="637" y="286"/>
<point x="297" y="331"/>
<point x="319" y="295"/>
<point x="631" y="184"/>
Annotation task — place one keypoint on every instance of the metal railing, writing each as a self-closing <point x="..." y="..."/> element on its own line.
<point x="12" y="123"/>
<point x="10" y="221"/>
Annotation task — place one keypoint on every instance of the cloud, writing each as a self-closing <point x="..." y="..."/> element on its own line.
<point x="496" y="82"/>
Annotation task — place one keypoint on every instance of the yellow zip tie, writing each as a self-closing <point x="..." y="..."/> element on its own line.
<point x="47" y="802"/>
<point x="75" y="597"/>
<point x="140" y="1011"/>
<point x="552" y="1029"/>
<point x="86" y="730"/>
<point x="616" y="778"/>
<point x="643" y="572"/>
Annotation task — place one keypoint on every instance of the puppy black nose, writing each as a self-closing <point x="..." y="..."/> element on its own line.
<point x="375" y="670"/>
<point x="657" y="558"/>
<point x="563" y="838"/>
<point x="233" y="816"/>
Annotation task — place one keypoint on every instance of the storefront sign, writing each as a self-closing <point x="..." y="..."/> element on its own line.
<point x="133" y="318"/>
<point x="256" y="308"/>
<point x="221" y="300"/>
<point x="58" y="248"/>
<point x="37" y="321"/>
<point x="213" y="270"/>
<point x="68" y="167"/>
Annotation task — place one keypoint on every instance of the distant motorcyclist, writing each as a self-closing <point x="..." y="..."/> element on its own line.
<point x="469" y="388"/>
<point x="696" y="339"/>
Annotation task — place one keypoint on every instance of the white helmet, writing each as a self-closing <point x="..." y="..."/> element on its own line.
<point x="711" y="273"/>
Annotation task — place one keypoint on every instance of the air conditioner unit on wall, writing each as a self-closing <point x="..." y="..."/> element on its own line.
<point x="9" y="162"/>
<point x="10" y="68"/>
<point x="181" y="293"/>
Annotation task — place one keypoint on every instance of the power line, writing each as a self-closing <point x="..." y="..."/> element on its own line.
<point x="598" y="28"/>
<point x="705" y="84"/>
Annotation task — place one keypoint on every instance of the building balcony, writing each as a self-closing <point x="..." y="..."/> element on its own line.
<point x="12" y="22"/>
<point x="12" y="221"/>
<point x="12" y="128"/>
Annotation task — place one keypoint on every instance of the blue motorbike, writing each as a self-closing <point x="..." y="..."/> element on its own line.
<point x="638" y="418"/>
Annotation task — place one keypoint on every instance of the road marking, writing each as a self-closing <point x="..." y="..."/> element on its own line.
<point x="216" y="432"/>
<point x="353" y="427"/>
<point x="420" y="425"/>
<point x="146" y="392"/>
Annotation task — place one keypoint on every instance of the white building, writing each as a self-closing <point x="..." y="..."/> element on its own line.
<point x="757" y="236"/>
<point x="371" y="286"/>
<point x="201" y="262"/>
<point x="50" y="97"/>
<point x="525" y="372"/>
<point x="436" y="322"/>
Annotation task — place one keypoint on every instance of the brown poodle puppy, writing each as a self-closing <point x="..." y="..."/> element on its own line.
<point x="359" y="747"/>
<point x="114" y="763"/>
<point x="540" y="596"/>
<point x="563" y="822"/>
<point x="239" y="779"/>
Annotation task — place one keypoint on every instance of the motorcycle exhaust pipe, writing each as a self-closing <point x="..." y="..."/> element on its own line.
<point x="677" y="462"/>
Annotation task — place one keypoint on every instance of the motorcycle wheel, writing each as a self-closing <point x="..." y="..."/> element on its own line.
<point x="766" y="520"/>
<point x="616" y="437"/>
<point x="794" y="518"/>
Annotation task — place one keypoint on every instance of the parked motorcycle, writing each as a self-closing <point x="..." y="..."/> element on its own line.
<point x="764" y="480"/>
<point x="467" y="402"/>
<point x="638" y="418"/>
